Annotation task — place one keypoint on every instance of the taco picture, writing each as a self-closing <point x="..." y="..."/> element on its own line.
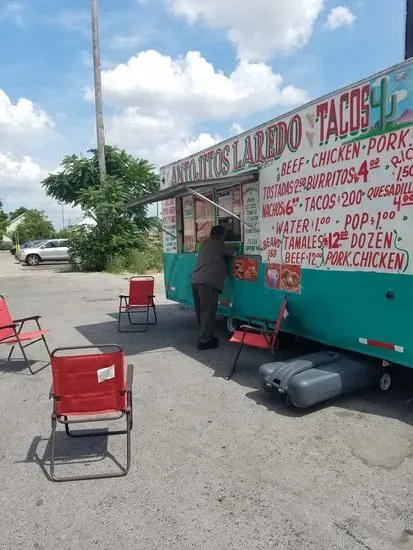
<point x="290" y="279"/>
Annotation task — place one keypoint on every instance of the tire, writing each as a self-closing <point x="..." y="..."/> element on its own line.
<point x="32" y="259"/>
<point x="385" y="381"/>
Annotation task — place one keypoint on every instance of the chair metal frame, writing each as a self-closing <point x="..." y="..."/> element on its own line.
<point x="125" y="307"/>
<point x="17" y="326"/>
<point x="270" y="336"/>
<point x="63" y="419"/>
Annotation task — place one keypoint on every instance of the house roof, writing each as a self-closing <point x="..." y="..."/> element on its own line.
<point x="15" y="222"/>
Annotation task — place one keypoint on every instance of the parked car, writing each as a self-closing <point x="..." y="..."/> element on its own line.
<point x="29" y="244"/>
<point x="52" y="250"/>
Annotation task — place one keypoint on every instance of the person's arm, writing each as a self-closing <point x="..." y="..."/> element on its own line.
<point x="228" y="252"/>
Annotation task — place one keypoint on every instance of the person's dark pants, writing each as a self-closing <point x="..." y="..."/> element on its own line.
<point x="206" y="304"/>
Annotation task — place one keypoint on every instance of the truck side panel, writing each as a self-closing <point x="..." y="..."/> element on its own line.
<point x="337" y="308"/>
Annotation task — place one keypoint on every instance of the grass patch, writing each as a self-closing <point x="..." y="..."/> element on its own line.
<point x="139" y="262"/>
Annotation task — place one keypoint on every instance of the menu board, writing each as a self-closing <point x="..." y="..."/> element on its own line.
<point x="188" y="209"/>
<point x="250" y="192"/>
<point x="169" y="226"/>
<point x="340" y="195"/>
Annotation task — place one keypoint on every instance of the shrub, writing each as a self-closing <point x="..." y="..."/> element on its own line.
<point x="95" y="249"/>
<point x="137" y="261"/>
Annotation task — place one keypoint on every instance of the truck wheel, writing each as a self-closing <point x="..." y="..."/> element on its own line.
<point x="232" y="325"/>
<point x="385" y="381"/>
<point x="32" y="259"/>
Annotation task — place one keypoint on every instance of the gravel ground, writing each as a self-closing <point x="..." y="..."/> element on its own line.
<point x="216" y="465"/>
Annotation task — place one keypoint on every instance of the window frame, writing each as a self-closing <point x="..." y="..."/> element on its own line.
<point x="214" y="196"/>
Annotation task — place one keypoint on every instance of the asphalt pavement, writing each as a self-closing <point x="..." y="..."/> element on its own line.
<point x="216" y="465"/>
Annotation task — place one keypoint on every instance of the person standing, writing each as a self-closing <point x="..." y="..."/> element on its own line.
<point x="207" y="281"/>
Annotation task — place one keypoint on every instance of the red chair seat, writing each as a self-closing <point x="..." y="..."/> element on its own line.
<point x="25" y="336"/>
<point x="252" y="339"/>
<point x="134" y="306"/>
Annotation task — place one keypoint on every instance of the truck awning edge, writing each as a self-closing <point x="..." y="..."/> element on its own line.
<point x="182" y="189"/>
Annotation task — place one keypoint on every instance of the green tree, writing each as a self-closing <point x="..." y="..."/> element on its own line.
<point x="35" y="225"/>
<point x="61" y="233"/>
<point x="79" y="177"/>
<point x="117" y="230"/>
<point x="3" y="222"/>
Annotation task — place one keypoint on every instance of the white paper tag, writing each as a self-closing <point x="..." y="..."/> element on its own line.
<point x="106" y="374"/>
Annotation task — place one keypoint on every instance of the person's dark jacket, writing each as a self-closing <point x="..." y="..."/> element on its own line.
<point x="211" y="266"/>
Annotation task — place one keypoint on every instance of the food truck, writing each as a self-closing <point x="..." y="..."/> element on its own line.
<point x="319" y="205"/>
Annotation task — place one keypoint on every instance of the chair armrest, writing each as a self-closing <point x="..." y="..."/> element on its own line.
<point x="33" y="318"/>
<point x="129" y="378"/>
<point x="13" y="325"/>
<point x="258" y="330"/>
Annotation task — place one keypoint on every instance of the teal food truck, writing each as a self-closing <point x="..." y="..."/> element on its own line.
<point x="319" y="204"/>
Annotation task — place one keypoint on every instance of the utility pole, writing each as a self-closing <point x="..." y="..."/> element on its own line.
<point x="100" y="130"/>
<point x="409" y="30"/>
<point x="63" y="215"/>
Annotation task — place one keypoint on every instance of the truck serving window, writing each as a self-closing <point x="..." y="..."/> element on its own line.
<point x="204" y="218"/>
<point x="230" y="199"/>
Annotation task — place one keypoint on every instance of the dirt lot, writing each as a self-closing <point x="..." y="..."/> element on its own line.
<point x="216" y="465"/>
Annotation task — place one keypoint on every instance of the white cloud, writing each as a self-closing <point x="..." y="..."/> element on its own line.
<point x="194" y="144"/>
<point x="19" y="121"/>
<point x="191" y="86"/>
<point x="11" y="11"/>
<point x="141" y="34"/>
<point x="12" y="7"/>
<point x="236" y="129"/>
<point x="162" y="101"/>
<point x="257" y="29"/>
<point x="20" y="174"/>
<point x="400" y="95"/>
<point x="338" y="17"/>
<point x="78" y="21"/>
<point x="160" y="139"/>
<point x="20" y="178"/>
<point x="20" y="184"/>
<point x="125" y="41"/>
<point x="24" y="128"/>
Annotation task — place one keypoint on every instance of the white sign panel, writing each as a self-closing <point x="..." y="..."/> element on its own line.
<point x="341" y="195"/>
<point x="170" y="244"/>
<point x="251" y="215"/>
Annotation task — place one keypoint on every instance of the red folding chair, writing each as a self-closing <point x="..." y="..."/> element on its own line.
<point x="258" y="337"/>
<point x="139" y="300"/>
<point x="91" y="388"/>
<point x="11" y="334"/>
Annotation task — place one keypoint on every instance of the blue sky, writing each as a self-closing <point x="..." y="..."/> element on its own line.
<point x="166" y="103"/>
